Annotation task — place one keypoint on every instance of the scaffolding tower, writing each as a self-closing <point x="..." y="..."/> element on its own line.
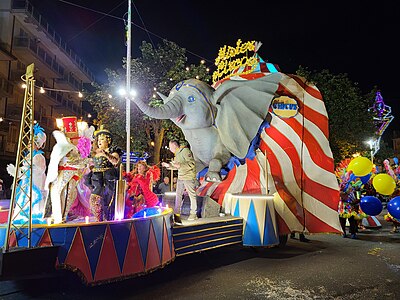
<point x="22" y="185"/>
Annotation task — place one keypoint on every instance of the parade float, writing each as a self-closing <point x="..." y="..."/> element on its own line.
<point x="269" y="132"/>
<point x="269" y="172"/>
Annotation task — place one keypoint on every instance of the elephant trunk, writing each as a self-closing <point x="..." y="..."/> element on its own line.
<point x="172" y="109"/>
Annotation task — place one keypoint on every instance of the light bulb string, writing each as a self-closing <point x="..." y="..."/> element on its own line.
<point x="23" y="77"/>
<point x="57" y="90"/>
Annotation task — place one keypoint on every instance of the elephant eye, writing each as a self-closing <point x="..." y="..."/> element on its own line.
<point x="191" y="99"/>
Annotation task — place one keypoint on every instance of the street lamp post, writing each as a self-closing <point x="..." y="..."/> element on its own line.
<point x="128" y="90"/>
<point x="371" y="147"/>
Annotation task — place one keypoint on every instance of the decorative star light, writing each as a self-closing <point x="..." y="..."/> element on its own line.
<point x="382" y="116"/>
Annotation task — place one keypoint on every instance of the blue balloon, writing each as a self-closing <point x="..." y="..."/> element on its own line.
<point x="364" y="179"/>
<point x="393" y="207"/>
<point x="371" y="205"/>
<point x="396" y="160"/>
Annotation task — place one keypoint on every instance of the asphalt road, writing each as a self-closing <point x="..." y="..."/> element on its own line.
<point x="328" y="267"/>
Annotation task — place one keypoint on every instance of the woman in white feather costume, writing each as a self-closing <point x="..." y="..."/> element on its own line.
<point x="38" y="173"/>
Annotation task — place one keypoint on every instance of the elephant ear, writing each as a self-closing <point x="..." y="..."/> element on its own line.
<point x="242" y="107"/>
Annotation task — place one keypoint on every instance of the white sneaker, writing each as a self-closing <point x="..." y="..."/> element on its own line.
<point x="192" y="217"/>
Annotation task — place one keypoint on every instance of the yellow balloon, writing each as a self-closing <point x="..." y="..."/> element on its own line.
<point x="384" y="184"/>
<point x="360" y="166"/>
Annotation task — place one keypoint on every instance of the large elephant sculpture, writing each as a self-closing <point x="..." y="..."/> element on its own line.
<point x="217" y="123"/>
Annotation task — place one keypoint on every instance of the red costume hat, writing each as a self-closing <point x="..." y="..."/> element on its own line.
<point x="70" y="124"/>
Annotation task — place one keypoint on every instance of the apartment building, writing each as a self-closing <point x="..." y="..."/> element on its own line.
<point x="25" y="38"/>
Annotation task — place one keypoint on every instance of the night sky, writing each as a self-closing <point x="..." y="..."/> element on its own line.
<point x="355" y="37"/>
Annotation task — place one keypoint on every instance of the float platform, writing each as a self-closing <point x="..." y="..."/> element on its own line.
<point x="110" y="251"/>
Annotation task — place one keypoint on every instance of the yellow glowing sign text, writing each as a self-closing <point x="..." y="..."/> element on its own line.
<point x="226" y="65"/>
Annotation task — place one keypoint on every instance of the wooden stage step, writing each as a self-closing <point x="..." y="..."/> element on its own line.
<point x="205" y="234"/>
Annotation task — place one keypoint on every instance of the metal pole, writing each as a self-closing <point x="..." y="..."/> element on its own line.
<point x="372" y="156"/>
<point x="171" y="187"/>
<point x="266" y="172"/>
<point x="372" y="151"/>
<point x="128" y="91"/>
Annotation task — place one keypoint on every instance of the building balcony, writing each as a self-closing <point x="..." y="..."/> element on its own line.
<point x="16" y="75"/>
<point x="6" y="87"/>
<point x="68" y="81"/>
<point x="32" y="19"/>
<point x="4" y="128"/>
<point x="29" y="51"/>
<point x="63" y="102"/>
<point x="13" y="112"/>
<point x="10" y="147"/>
<point x="46" y="122"/>
<point x="5" y="54"/>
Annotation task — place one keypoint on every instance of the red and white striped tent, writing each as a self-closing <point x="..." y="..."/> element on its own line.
<point x="300" y="163"/>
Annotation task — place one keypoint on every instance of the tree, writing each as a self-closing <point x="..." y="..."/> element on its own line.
<point x="350" y="122"/>
<point x="157" y="70"/>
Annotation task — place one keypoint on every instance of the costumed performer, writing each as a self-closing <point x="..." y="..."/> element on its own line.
<point x="395" y="222"/>
<point x="81" y="205"/>
<point x="104" y="175"/>
<point x="21" y="211"/>
<point x="349" y="209"/>
<point x="65" y="170"/>
<point x="140" y="182"/>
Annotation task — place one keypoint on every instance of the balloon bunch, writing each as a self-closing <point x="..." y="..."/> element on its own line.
<point x="353" y="174"/>
<point x="341" y="168"/>
<point x="355" y="182"/>
<point x="356" y="177"/>
<point x="348" y="206"/>
<point x="351" y="185"/>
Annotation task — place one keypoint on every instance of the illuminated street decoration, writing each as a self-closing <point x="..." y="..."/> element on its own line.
<point x="226" y="65"/>
<point x="382" y="116"/>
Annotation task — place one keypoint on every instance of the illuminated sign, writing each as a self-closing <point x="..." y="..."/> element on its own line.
<point x="227" y="66"/>
<point x="284" y="107"/>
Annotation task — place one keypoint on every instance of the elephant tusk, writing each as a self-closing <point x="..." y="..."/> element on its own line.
<point x="163" y="97"/>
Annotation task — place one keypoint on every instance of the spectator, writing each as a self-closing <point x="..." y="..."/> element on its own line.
<point x="174" y="181"/>
<point x="3" y="191"/>
<point x="164" y="186"/>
